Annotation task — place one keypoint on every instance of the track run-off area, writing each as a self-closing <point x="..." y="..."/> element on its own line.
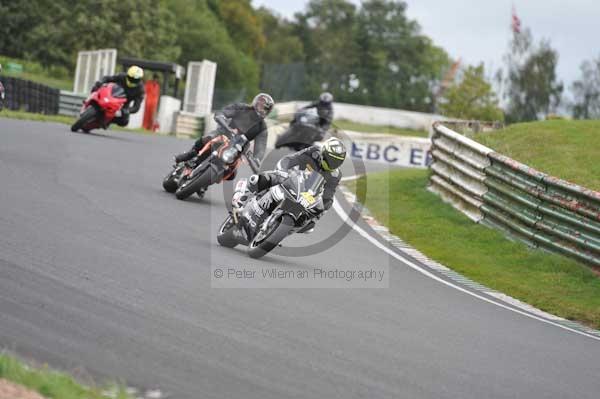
<point x="102" y="273"/>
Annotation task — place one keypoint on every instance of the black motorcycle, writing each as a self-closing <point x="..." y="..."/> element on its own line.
<point x="302" y="132"/>
<point x="263" y="220"/>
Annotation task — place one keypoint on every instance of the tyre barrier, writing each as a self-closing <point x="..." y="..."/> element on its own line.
<point x="29" y="96"/>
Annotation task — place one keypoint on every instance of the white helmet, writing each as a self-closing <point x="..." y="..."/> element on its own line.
<point x="263" y="104"/>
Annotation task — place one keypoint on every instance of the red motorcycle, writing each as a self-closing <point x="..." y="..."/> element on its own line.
<point x="101" y="107"/>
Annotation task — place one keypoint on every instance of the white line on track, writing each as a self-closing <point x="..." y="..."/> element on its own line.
<point x="346" y="218"/>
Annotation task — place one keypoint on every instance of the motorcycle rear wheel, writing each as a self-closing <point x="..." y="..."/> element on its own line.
<point x="281" y="229"/>
<point x="89" y="115"/>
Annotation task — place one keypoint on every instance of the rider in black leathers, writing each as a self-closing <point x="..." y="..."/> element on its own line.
<point x="324" y="108"/>
<point x="133" y="85"/>
<point x="247" y="119"/>
<point x="325" y="159"/>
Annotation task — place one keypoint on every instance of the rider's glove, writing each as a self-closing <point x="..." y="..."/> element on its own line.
<point x="239" y="140"/>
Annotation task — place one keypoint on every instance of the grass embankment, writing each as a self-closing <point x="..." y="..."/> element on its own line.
<point x="566" y="149"/>
<point x="343" y="124"/>
<point x="58" y="78"/>
<point x="550" y="282"/>
<point x="51" y="384"/>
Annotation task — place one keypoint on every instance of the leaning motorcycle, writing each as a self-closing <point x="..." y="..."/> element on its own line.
<point x="221" y="157"/>
<point x="302" y="132"/>
<point x="101" y="107"/>
<point x="262" y="221"/>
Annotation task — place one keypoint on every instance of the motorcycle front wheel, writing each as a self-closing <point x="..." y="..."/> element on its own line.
<point x="264" y="243"/>
<point x="202" y="181"/>
<point x="89" y="115"/>
<point x="170" y="182"/>
<point x="225" y="236"/>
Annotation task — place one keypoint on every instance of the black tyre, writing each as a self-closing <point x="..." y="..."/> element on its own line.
<point x="89" y="115"/>
<point x="170" y="182"/>
<point x="225" y="237"/>
<point x="189" y="187"/>
<point x="261" y="246"/>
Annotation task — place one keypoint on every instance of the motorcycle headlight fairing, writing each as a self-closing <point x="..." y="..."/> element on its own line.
<point x="229" y="155"/>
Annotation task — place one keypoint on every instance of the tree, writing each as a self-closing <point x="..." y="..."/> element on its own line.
<point x="472" y="98"/>
<point x="533" y="90"/>
<point x="586" y="91"/>
<point x="243" y="24"/>
<point x="374" y="55"/>
<point x="282" y="45"/>
<point x="326" y="30"/>
<point x="66" y="28"/>
<point x="399" y="65"/>
<point x="202" y="35"/>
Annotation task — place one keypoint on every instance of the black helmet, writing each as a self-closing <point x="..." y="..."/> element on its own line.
<point x="326" y="97"/>
<point x="263" y="104"/>
<point x="333" y="153"/>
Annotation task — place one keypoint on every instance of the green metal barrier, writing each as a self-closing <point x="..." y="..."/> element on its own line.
<point x="540" y="210"/>
<point x="553" y="214"/>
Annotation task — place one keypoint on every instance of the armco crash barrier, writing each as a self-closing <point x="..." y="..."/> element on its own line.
<point x="70" y="103"/>
<point x="538" y="209"/>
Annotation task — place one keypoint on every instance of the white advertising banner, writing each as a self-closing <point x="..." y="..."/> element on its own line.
<point x="412" y="152"/>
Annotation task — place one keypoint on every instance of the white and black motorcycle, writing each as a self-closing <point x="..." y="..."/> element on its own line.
<point x="263" y="220"/>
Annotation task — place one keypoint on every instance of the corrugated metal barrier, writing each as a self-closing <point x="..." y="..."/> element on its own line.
<point x="528" y="205"/>
<point x="70" y="103"/>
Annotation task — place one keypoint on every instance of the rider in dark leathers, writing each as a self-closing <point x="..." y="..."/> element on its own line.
<point x="324" y="108"/>
<point x="247" y="119"/>
<point x="325" y="159"/>
<point x="132" y="83"/>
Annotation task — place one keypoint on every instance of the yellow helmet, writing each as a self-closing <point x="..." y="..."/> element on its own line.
<point x="134" y="76"/>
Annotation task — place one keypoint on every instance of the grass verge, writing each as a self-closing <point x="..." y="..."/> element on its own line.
<point x="343" y="124"/>
<point x="67" y="120"/>
<point x="30" y="116"/>
<point x="562" y="148"/>
<point x="550" y="282"/>
<point x="49" y="383"/>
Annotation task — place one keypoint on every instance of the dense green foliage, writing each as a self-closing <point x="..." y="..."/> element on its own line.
<point x="533" y="89"/>
<point x="586" y="91"/>
<point x="371" y="54"/>
<point x="472" y="98"/>
<point x="553" y="283"/>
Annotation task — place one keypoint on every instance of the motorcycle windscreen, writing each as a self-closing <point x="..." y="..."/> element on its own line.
<point x="314" y="182"/>
<point x="118" y="91"/>
<point x="299" y="134"/>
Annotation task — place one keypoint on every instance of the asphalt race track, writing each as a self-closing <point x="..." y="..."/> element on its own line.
<point x="105" y="274"/>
